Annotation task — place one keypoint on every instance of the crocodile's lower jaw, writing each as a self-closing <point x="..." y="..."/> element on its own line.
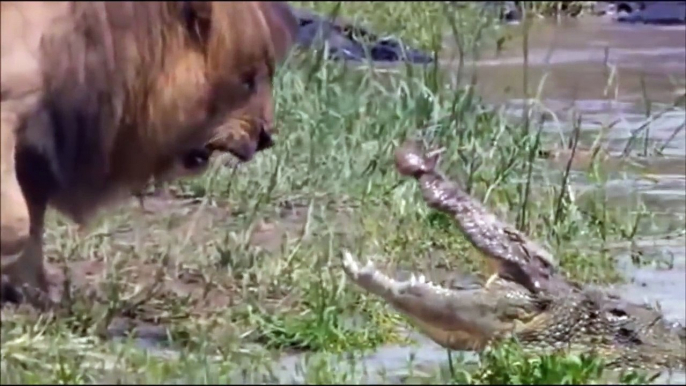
<point x="454" y="340"/>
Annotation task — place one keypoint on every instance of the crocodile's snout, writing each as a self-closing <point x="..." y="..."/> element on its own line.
<point x="410" y="160"/>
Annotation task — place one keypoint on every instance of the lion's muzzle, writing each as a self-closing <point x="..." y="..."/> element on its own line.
<point x="244" y="147"/>
<point x="264" y="140"/>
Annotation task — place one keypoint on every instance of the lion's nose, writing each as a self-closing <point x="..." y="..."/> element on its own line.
<point x="264" y="140"/>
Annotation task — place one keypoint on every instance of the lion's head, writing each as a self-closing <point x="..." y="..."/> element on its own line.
<point x="242" y="42"/>
<point x="131" y="88"/>
<point x="248" y="129"/>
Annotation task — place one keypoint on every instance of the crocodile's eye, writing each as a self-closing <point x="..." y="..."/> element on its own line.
<point x="542" y="153"/>
<point x="619" y="313"/>
<point x="627" y="335"/>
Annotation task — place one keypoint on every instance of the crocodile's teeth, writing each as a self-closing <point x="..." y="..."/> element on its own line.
<point x="348" y="258"/>
<point x="413" y="279"/>
<point x="350" y="265"/>
<point x="436" y="287"/>
<point x="397" y="288"/>
<point x="349" y="262"/>
<point x="422" y="279"/>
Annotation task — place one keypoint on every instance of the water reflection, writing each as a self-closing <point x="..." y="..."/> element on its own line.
<point x="579" y="55"/>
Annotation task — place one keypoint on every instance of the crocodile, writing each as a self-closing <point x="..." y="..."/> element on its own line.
<point x="526" y="298"/>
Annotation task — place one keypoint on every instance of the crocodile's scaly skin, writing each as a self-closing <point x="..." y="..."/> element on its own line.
<point x="526" y="298"/>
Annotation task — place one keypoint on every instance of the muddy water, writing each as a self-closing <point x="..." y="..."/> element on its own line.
<point x="579" y="55"/>
<point x="613" y="75"/>
<point x="663" y="281"/>
<point x="576" y="58"/>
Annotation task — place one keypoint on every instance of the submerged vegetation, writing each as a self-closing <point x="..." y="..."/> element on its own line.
<point x="236" y="269"/>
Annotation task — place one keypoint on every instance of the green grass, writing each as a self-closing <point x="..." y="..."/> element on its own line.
<point x="509" y="365"/>
<point x="242" y="265"/>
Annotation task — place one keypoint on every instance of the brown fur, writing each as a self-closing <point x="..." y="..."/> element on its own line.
<point x="259" y="111"/>
<point x="100" y="97"/>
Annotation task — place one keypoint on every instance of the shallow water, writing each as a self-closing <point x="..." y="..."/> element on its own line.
<point x="391" y="364"/>
<point x="663" y="282"/>
<point x="578" y="56"/>
<point x="575" y="58"/>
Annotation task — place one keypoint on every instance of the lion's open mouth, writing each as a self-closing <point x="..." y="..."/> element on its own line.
<point x="243" y="155"/>
<point x="197" y="158"/>
<point x="244" y="152"/>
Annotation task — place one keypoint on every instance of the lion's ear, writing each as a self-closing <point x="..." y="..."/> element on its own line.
<point x="283" y="25"/>
<point x="197" y="16"/>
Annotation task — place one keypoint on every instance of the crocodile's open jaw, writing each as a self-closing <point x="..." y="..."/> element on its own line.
<point x="442" y="313"/>
<point x="527" y="297"/>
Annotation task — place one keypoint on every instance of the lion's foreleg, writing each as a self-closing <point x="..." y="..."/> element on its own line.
<point x="21" y="255"/>
<point x="14" y="212"/>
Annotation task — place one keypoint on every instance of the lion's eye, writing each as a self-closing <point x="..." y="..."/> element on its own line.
<point x="250" y="82"/>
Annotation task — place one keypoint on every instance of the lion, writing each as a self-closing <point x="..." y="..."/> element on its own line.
<point x="98" y="98"/>
<point x="259" y="110"/>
